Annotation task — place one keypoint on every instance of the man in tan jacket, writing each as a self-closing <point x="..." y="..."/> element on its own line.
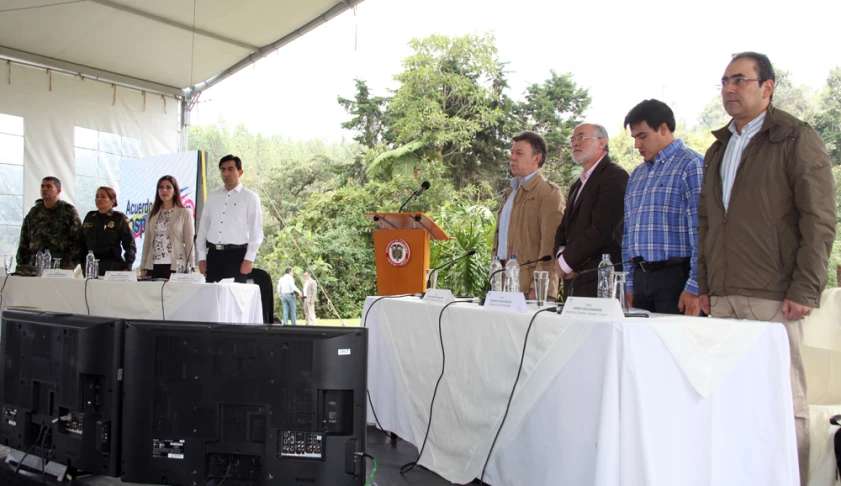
<point x="532" y="209"/>
<point x="766" y="218"/>
<point x="309" y="298"/>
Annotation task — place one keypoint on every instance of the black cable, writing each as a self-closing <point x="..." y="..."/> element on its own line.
<point x="163" y="313"/>
<point x="230" y="463"/>
<point x="511" y="396"/>
<point x="37" y="439"/>
<point x="409" y="466"/>
<point x="365" y="325"/>
<point x="87" y="306"/>
<point x="43" y="458"/>
<point x="376" y="419"/>
<point x="6" y="280"/>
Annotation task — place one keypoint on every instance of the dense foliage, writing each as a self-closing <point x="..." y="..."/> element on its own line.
<point x="449" y="122"/>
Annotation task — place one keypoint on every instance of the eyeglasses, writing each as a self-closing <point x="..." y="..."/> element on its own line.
<point x="579" y="138"/>
<point x="737" y="81"/>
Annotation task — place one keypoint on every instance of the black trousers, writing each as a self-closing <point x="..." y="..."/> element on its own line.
<point x="225" y="264"/>
<point x="660" y="291"/>
<point x="163" y="270"/>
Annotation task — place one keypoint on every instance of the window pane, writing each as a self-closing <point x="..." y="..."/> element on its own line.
<point x="11" y="149"/>
<point x="87" y="163"/>
<point x="109" y="143"/>
<point x="86" y="194"/>
<point x="109" y="169"/>
<point x="10" y="124"/>
<point x="11" y="210"/>
<point x="11" y="180"/>
<point x="85" y="138"/>
<point x="9" y="236"/>
<point x="131" y="147"/>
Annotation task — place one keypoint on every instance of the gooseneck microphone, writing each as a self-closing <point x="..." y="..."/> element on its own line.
<point x="415" y="194"/>
<point x="439" y="267"/>
<point x="544" y="258"/>
<point x="590" y="270"/>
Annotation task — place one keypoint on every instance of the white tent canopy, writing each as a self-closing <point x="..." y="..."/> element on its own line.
<point x="88" y="83"/>
<point x="171" y="47"/>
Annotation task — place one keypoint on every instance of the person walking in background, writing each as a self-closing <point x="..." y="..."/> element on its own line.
<point x="287" y="289"/>
<point x="310" y="293"/>
<point x="169" y="232"/>
<point x="108" y="234"/>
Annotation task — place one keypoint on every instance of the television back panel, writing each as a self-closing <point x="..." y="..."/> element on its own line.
<point x="255" y="405"/>
<point x="61" y="387"/>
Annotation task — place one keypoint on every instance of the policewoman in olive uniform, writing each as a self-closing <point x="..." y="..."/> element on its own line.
<point x="108" y="233"/>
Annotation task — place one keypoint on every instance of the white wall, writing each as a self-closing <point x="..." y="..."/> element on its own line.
<point x="50" y="118"/>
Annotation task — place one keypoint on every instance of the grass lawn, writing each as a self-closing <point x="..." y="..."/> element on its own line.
<point x="337" y="322"/>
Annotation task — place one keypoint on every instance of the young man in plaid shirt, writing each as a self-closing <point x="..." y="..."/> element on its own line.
<point x="660" y="243"/>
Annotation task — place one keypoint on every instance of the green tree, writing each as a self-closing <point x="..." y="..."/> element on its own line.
<point x="828" y="120"/>
<point x="449" y="104"/>
<point x="368" y="115"/>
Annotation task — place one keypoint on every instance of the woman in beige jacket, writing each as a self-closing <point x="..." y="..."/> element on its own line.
<point x="169" y="232"/>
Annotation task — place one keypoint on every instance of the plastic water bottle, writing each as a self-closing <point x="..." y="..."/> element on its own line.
<point x="605" y="277"/>
<point x="496" y="275"/>
<point x="39" y="262"/>
<point x="512" y="275"/>
<point x="90" y="265"/>
<point x="47" y="261"/>
<point x="180" y="266"/>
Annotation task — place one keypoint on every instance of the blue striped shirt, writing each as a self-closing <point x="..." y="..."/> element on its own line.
<point x="733" y="154"/>
<point x="505" y="217"/>
<point x="661" y="210"/>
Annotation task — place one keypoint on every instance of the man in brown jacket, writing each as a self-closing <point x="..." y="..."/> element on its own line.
<point x="531" y="211"/>
<point x="766" y="218"/>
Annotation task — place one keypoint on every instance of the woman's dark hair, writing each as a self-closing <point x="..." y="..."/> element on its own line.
<point x="176" y="195"/>
<point x="111" y="193"/>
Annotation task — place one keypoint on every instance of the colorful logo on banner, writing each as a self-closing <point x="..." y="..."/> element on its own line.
<point x="397" y="252"/>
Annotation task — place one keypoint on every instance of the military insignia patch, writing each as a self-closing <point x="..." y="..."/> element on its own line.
<point x="397" y="252"/>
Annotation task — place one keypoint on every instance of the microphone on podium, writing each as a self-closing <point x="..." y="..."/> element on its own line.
<point x="439" y="267"/>
<point x="415" y="194"/>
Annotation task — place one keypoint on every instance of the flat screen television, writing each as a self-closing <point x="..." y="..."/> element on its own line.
<point x="61" y="394"/>
<point x="244" y="405"/>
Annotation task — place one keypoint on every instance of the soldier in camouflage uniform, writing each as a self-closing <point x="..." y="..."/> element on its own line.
<point x="52" y="224"/>
<point x="108" y="234"/>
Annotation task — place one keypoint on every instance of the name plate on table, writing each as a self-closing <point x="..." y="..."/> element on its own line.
<point x="593" y="308"/>
<point x="508" y="301"/>
<point x="187" y="278"/>
<point x="115" y="276"/>
<point x="56" y="273"/>
<point x="439" y="296"/>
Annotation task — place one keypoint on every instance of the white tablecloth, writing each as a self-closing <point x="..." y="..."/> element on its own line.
<point x="225" y="303"/>
<point x="661" y="401"/>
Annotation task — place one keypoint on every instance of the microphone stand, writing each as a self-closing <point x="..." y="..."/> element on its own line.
<point x="544" y="258"/>
<point x="439" y="267"/>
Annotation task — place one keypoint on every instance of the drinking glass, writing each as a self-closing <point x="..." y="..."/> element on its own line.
<point x="541" y="286"/>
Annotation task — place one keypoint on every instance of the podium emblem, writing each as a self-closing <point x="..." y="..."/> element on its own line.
<point x="397" y="252"/>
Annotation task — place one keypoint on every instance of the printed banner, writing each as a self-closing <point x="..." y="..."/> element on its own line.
<point x="139" y="178"/>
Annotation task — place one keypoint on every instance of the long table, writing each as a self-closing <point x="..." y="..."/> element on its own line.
<point x="229" y="303"/>
<point x="661" y="401"/>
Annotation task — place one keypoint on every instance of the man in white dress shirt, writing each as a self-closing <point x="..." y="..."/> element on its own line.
<point x="287" y="289"/>
<point x="231" y="227"/>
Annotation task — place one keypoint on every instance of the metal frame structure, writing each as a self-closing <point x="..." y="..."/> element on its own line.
<point x="187" y="96"/>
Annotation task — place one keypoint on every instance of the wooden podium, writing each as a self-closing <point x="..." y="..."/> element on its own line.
<point x="401" y="246"/>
